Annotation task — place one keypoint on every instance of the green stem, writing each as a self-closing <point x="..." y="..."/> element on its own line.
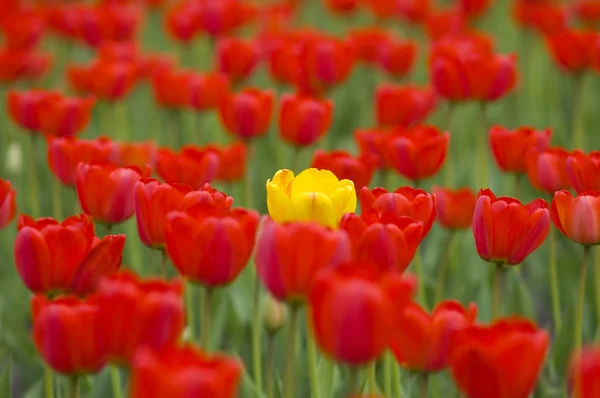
<point x="256" y="339"/>
<point x="554" y="287"/>
<point x="269" y="370"/>
<point x="423" y="385"/>
<point x="108" y="229"/>
<point x="190" y="310"/>
<point x="420" y="276"/>
<point x="296" y="159"/>
<point x="372" y="378"/>
<point x="443" y="271"/>
<point x="386" y="179"/>
<point x="120" y="121"/>
<point x="581" y="299"/>
<point x="353" y="381"/>
<point x="164" y="264"/>
<point x="248" y="181"/>
<point x="34" y="195"/>
<point x="56" y="199"/>
<point x="497" y="291"/>
<point x="74" y="387"/>
<point x="448" y="170"/>
<point x="290" y="359"/>
<point x="115" y="377"/>
<point x="48" y="381"/>
<point x="397" y="382"/>
<point x="105" y="119"/>
<point x="482" y="152"/>
<point x="312" y="361"/>
<point x="205" y="316"/>
<point x="579" y="113"/>
<point x="388" y="369"/>
<point x="133" y="245"/>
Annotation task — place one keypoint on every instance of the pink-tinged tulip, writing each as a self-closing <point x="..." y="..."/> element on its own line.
<point x="578" y="218"/>
<point x="455" y="207"/>
<point x="584" y="171"/>
<point x="403" y="106"/>
<point x="8" y="204"/>
<point x="510" y="148"/>
<point x="547" y="169"/>
<point x="505" y="230"/>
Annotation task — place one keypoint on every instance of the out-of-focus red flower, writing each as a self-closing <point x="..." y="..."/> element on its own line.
<point x="446" y="23"/>
<point x="119" y="51"/>
<point x="165" y="373"/>
<point x="152" y="64"/>
<point x="275" y="18"/>
<point x="237" y="58"/>
<point x="368" y="42"/>
<point x="287" y="267"/>
<point x="575" y="51"/>
<point x="584" y="171"/>
<point x="474" y="8"/>
<point x="221" y="18"/>
<point x="417" y="153"/>
<point x="8" y="203"/>
<point x="584" y="373"/>
<point x="381" y="9"/>
<point x="107" y="80"/>
<point x="372" y="142"/>
<point x="134" y="153"/>
<point x="192" y="165"/>
<point x="415" y="11"/>
<point x="233" y="161"/>
<point x="397" y="56"/>
<point x="222" y="245"/>
<point x="577" y="217"/>
<point x="206" y="91"/>
<point x="105" y="192"/>
<point x="65" y="19"/>
<point x="587" y="10"/>
<point x="66" y="334"/>
<point x="64" y="154"/>
<point x="510" y="148"/>
<point x="138" y="313"/>
<point x="109" y="22"/>
<point x="545" y="17"/>
<point x="359" y="169"/>
<point x="422" y="341"/>
<point x="22" y="30"/>
<point x="403" y="105"/>
<point x="547" y="169"/>
<point x="63" y="116"/>
<point x="182" y="21"/>
<point x="483" y="358"/>
<point x="454" y="207"/>
<point x="505" y="230"/>
<point x="247" y="114"/>
<point x="281" y="56"/>
<point x="403" y="202"/>
<point x="342" y="6"/>
<point x="304" y="120"/>
<point x="53" y="257"/>
<point x="169" y="87"/>
<point x="24" y="107"/>
<point x="19" y="64"/>
<point x="350" y="307"/>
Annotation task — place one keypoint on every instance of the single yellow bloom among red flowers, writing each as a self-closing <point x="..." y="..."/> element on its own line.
<point x="313" y="195"/>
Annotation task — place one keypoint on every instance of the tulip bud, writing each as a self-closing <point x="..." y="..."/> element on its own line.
<point x="274" y="314"/>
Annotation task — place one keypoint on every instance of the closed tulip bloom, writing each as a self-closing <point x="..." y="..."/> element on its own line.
<point x="588" y="11"/>
<point x="359" y="169"/>
<point x="574" y="51"/>
<point x="8" y="203"/>
<point x="23" y="65"/>
<point x="505" y="230"/>
<point x="222" y="245"/>
<point x="313" y="195"/>
<point x="134" y="153"/>
<point x="510" y="148"/>
<point x="372" y="142"/>
<point x="547" y="169"/>
<point x="447" y="23"/>
<point x="381" y="9"/>
<point x="205" y="91"/>
<point x="368" y="42"/>
<point x="474" y="8"/>
<point x="180" y="372"/>
<point x="66" y="334"/>
<point x="24" y="107"/>
<point x="247" y="114"/>
<point x="417" y="153"/>
<point x="484" y="360"/>
<point x="350" y="307"/>
<point x="65" y="154"/>
<point x="23" y="30"/>
<point x="192" y="165"/>
<point x="454" y="207"/>
<point x="415" y="11"/>
<point x="169" y="87"/>
<point x="237" y="58"/>
<point x="304" y="120"/>
<point x="106" y="192"/>
<point x="221" y="18"/>
<point x="584" y="373"/>
<point x="342" y="6"/>
<point x="403" y="202"/>
<point x="545" y="17"/>
<point x="113" y="81"/>
<point x="181" y="21"/>
<point x="80" y="78"/>
<point x="53" y="257"/>
<point x="397" y="57"/>
<point x="111" y="22"/>
<point x="233" y="161"/>
<point x="584" y="171"/>
<point x="576" y="217"/>
<point x="403" y="106"/>
<point x="138" y="313"/>
<point x="64" y="116"/>
<point x="422" y="341"/>
<point x="287" y="268"/>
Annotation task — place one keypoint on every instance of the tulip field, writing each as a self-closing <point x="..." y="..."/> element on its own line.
<point x="299" y="198"/>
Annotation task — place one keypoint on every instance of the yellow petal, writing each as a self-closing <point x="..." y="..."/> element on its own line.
<point x="344" y="199"/>
<point x="279" y="204"/>
<point x="314" y="180"/>
<point x="315" y="206"/>
<point x="283" y="178"/>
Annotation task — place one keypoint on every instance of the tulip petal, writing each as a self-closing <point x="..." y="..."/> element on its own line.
<point x="315" y="206"/>
<point x="314" y="180"/>
<point x="279" y="205"/>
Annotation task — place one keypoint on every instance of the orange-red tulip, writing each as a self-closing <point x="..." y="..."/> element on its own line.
<point x="584" y="373"/>
<point x="221" y="18"/>
<point x="368" y="42"/>
<point x="169" y="87"/>
<point x="63" y="116"/>
<point x="414" y="11"/>
<point x="206" y="91"/>
<point x="359" y="169"/>
<point x="233" y="160"/>
<point x="575" y="51"/>
<point x="587" y="10"/>
<point x="24" y="107"/>
<point x="584" y="171"/>
<point x="454" y="207"/>
<point x="111" y="22"/>
<point x="8" y="203"/>
<point x="192" y="165"/>
<point x="510" y="148"/>
<point x="484" y="360"/>
<point x="247" y="114"/>
<point x="446" y="23"/>
<point x="474" y="8"/>
<point x="342" y="6"/>
<point x="182" y="21"/>
<point x="372" y="142"/>
<point x="22" y="30"/>
<point x="577" y="217"/>
<point x="505" y="230"/>
<point x="237" y="58"/>
<point x="397" y="57"/>
<point x="134" y="153"/>
<point x="65" y="19"/>
<point x="403" y="105"/>
<point x="110" y="81"/>
<point x="545" y="17"/>
<point x="23" y="65"/>
<point x="304" y="120"/>
<point x="65" y="154"/>
<point x="547" y="169"/>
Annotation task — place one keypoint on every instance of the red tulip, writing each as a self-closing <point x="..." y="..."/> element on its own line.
<point x="8" y="203"/>
<point x="584" y="373"/>
<point x="65" y="19"/>
<point x="109" y="81"/>
<point x="237" y="58"/>
<point x="138" y="313"/>
<point x="206" y="91"/>
<point x="368" y="42"/>
<point x="545" y="17"/>
<point x="247" y="114"/>
<point x="303" y="120"/>
<point x="422" y="341"/>
<point x="65" y="332"/>
<point x="405" y="201"/>
<point x="454" y="207"/>
<point x="505" y="230"/>
<point x="134" y="153"/>
<point x="222" y="245"/>
<point x="584" y="171"/>
<point x="105" y="192"/>
<point x="576" y="217"/>
<point x="192" y="165"/>
<point x="169" y="87"/>
<point x="233" y="160"/>
<point x="65" y="154"/>
<point x="183" y="372"/>
<point x="381" y="9"/>
<point x="452" y="22"/>
<point x="350" y="307"/>
<point x="24" y="107"/>
<point x="359" y="169"/>
<point x="113" y="22"/>
<point x="415" y="11"/>
<point x="221" y="18"/>
<point x="63" y="116"/>
<point x="282" y="54"/>
<point x="397" y="57"/>
<point x="182" y="21"/>
<point x="575" y="51"/>
<point x="22" y="30"/>
<point x="372" y="142"/>
<point x="474" y="8"/>
<point x="510" y="148"/>
<point x="547" y="169"/>
<point x="56" y="257"/>
<point x="417" y="153"/>
<point x="342" y="6"/>
<point x="498" y="361"/>
<point x="588" y="11"/>
<point x="23" y="65"/>
<point x="289" y="256"/>
<point x="403" y="106"/>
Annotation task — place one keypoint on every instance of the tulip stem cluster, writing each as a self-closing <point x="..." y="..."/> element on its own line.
<point x="443" y="271"/>
<point x="581" y="298"/>
<point x="291" y="348"/>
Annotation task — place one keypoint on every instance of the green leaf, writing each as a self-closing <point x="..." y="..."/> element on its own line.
<point x="329" y="377"/>
<point x="563" y="343"/>
<point x="6" y="378"/>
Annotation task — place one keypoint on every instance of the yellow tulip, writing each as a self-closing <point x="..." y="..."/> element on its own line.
<point x="314" y="195"/>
